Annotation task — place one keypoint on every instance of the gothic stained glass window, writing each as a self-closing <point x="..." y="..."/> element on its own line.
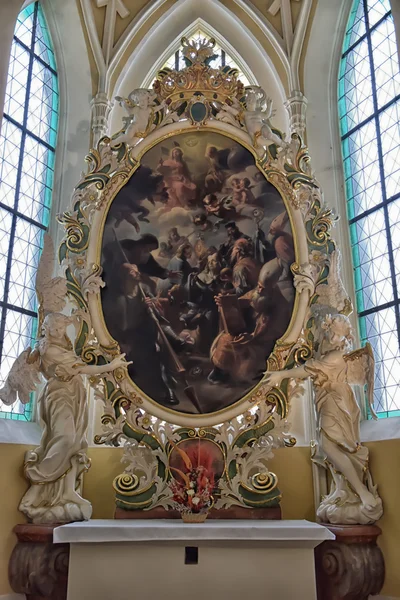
<point x="176" y="61"/>
<point x="27" y="146"/>
<point x="369" y="112"/>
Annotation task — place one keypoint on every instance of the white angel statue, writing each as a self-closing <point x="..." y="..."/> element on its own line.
<point x="257" y="119"/>
<point x="229" y="112"/>
<point x="333" y="293"/>
<point x="54" y="468"/>
<point x="141" y="110"/>
<point x="353" y="499"/>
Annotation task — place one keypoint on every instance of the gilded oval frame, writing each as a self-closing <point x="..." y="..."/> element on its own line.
<point x="276" y="176"/>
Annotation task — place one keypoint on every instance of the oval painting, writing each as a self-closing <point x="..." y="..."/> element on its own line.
<point x="196" y="257"/>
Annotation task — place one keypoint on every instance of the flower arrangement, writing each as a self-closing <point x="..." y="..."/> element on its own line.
<point x="193" y="490"/>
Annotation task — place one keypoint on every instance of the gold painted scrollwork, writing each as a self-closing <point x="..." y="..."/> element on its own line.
<point x="126" y="483"/>
<point x="278" y="397"/>
<point x="277" y="360"/>
<point x="264" y="482"/>
<point x="75" y="233"/>
<point x="321" y="225"/>
<point x="302" y="353"/>
<point x="280" y="181"/>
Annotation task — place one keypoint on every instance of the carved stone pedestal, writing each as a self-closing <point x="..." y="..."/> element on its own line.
<point x="352" y="566"/>
<point x="39" y="568"/>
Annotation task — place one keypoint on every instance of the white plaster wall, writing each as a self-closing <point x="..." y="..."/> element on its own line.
<point x="320" y="83"/>
<point x="177" y="22"/>
<point x="75" y="95"/>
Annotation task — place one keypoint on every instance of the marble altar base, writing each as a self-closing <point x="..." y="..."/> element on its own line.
<point x="169" y="559"/>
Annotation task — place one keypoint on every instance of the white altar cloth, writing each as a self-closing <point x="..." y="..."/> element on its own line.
<point x="147" y="559"/>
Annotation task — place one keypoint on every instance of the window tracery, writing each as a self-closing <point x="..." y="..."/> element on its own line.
<point x="27" y="152"/>
<point x="369" y="112"/>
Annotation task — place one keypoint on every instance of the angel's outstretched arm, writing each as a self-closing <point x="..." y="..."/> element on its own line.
<point x="118" y="361"/>
<point x="157" y="107"/>
<point x="275" y="377"/>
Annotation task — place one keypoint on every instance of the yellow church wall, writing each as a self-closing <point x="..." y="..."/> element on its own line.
<point x="13" y="485"/>
<point x="384" y="462"/>
<point x="292" y="465"/>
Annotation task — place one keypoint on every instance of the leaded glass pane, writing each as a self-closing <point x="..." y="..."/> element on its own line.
<point x="356" y="26"/>
<point x="24" y="26"/>
<point x="36" y="181"/>
<point x="19" y="333"/>
<point x="362" y="173"/>
<point x="369" y="111"/>
<point x="394" y="222"/>
<point x="5" y="229"/>
<point x="27" y="143"/>
<point x="386" y="63"/>
<point x="25" y="259"/>
<point x="390" y="140"/>
<point x="43" y="46"/>
<point x="356" y="88"/>
<point x="10" y="143"/>
<point x="376" y="10"/>
<point x="16" y="82"/>
<point x="43" y="103"/>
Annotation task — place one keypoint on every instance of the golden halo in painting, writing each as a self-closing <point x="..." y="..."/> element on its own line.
<point x="196" y="256"/>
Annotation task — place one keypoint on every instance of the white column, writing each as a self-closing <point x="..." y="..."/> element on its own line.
<point x="101" y="107"/>
<point x="296" y="106"/>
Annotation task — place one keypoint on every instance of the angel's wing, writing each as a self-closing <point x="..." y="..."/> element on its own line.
<point x="51" y="291"/>
<point x="361" y="371"/>
<point x="46" y="263"/>
<point x="333" y="293"/>
<point x="22" y="379"/>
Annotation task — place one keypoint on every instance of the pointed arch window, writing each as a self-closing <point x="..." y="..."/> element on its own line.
<point x="369" y="112"/>
<point x="223" y="58"/>
<point x="27" y="152"/>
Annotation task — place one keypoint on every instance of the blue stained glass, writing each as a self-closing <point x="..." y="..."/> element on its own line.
<point x="369" y="113"/>
<point x="27" y="151"/>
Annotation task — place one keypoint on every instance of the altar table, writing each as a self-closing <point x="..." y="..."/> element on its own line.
<point x="172" y="560"/>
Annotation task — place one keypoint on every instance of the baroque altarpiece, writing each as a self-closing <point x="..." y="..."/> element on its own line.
<point x="206" y="284"/>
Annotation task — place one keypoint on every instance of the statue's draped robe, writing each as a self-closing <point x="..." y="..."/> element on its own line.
<point x="64" y="418"/>
<point x="337" y="408"/>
